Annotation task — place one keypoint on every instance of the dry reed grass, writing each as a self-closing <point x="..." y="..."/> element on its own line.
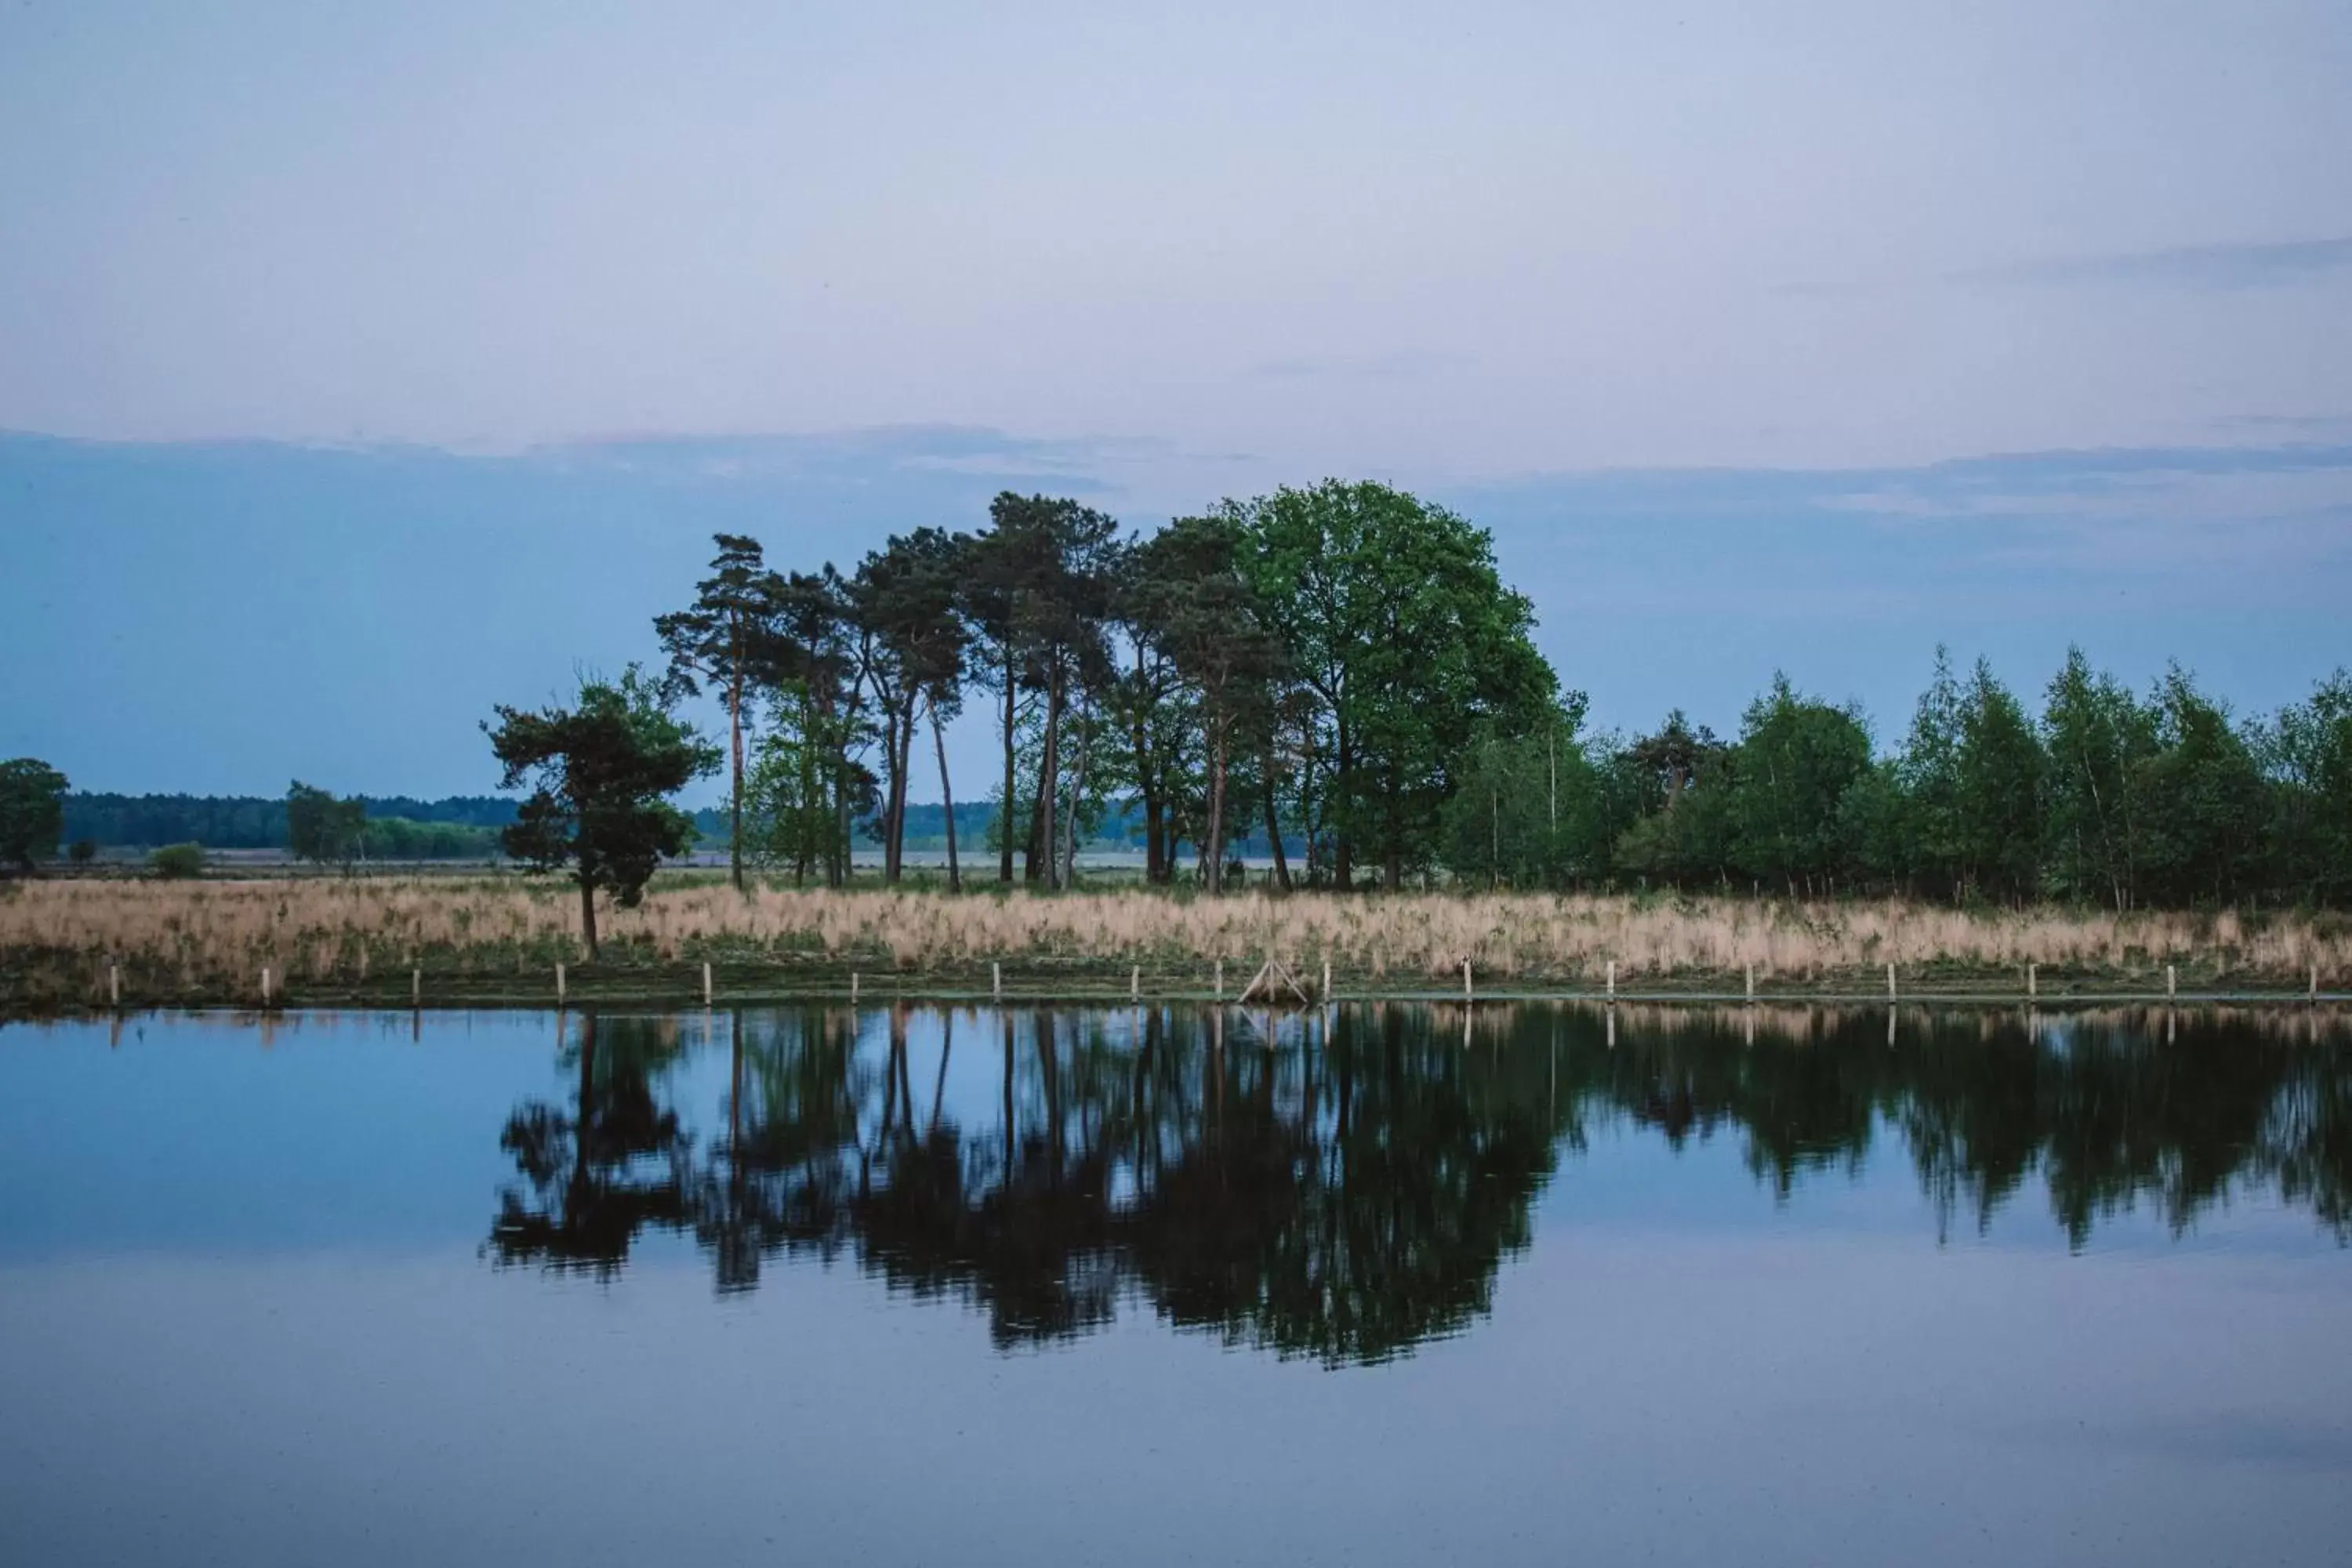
<point x="206" y="935"/>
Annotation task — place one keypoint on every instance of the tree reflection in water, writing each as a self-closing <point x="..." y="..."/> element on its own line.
<point x="1351" y="1189"/>
<point x="593" y="1179"/>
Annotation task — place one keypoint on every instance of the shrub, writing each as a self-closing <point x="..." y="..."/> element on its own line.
<point x="175" y="861"/>
<point x="82" y="851"/>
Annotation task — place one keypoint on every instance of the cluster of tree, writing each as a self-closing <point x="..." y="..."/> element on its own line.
<point x="1350" y="1201"/>
<point x="331" y="830"/>
<point x="2103" y="797"/>
<point x="1341" y="670"/>
<point x="257" y="822"/>
<point x="1320" y="664"/>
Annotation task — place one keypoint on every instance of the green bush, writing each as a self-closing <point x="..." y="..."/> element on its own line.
<point x="82" y="851"/>
<point x="174" y="861"/>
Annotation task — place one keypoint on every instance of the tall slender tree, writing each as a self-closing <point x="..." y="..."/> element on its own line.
<point x="729" y="638"/>
<point x="1208" y="616"/>
<point x="911" y="642"/>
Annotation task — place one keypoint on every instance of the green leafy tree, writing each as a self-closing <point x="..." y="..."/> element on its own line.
<point x="1797" y="758"/>
<point x="791" y="796"/>
<point x="320" y="827"/>
<point x="822" y="698"/>
<point x="177" y="862"/>
<point x="2097" y="737"/>
<point x="2309" y="753"/>
<point x="602" y="770"/>
<point x="1391" y="612"/>
<point x="729" y="638"/>
<point x="32" y="812"/>
<point x="1928" y="844"/>
<point x="1528" y="811"/>
<point x="1997" y="822"/>
<point x="2202" y="798"/>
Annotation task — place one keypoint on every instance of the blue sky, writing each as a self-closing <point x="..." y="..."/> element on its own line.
<point x="220" y="617"/>
<point x="372" y="365"/>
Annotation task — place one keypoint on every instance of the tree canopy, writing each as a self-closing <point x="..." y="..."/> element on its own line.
<point x="601" y="771"/>
<point x="32" y="812"/>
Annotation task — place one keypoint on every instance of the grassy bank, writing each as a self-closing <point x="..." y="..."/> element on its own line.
<point x="498" y="939"/>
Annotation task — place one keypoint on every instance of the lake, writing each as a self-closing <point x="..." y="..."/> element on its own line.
<point x="1386" y="1285"/>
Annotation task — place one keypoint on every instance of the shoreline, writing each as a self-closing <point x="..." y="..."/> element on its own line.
<point x="73" y="946"/>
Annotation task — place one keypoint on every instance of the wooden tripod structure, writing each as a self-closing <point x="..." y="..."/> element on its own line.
<point x="1274" y="979"/>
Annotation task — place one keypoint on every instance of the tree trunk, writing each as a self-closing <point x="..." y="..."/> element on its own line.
<point x="1140" y="733"/>
<point x="1214" y="840"/>
<point x="1049" y="769"/>
<point x="840" y="852"/>
<point x="735" y="743"/>
<point x="1156" y="855"/>
<point x="588" y="913"/>
<point x="803" y="830"/>
<point x="1393" y="876"/>
<point x="899" y="743"/>
<point x="1273" y="829"/>
<point x="947" y="795"/>
<point x="1004" y="853"/>
<point x="1343" y="856"/>
<point x="1070" y="820"/>
<point x="1307" y="815"/>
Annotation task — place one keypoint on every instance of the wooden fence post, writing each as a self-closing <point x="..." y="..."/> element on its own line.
<point x="705" y="983"/>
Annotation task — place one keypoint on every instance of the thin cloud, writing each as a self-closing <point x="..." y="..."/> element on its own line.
<point x="2266" y="264"/>
<point x="1394" y="365"/>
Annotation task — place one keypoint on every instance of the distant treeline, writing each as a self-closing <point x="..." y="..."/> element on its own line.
<point x="2105" y="796"/>
<point x="398" y="827"/>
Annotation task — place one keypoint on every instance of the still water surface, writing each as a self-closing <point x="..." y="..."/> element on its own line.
<point x="804" y="1285"/>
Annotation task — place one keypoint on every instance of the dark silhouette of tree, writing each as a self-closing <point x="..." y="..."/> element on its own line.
<point x="320" y="829"/>
<point x="601" y="770"/>
<point x="729" y="637"/>
<point x="593" y="1179"/>
<point x="1196" y="604"/>
<point x="911" y="643"/>
<point x="32" y="812"/>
